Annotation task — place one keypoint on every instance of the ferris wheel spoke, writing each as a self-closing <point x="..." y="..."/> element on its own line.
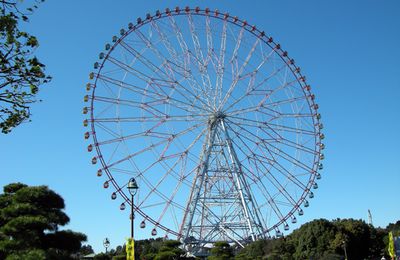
<point x="279" y="169"/>
<point x="156" y="186"/>
<point x="103" y="110"/>
<point x="172" y="52"/>
<point x="181" y="41"/>
<point x="221" y="65"/>
<point x="265" y="59"/>
<point x="202" y="63"/>
<point x="113" y="153"/>
<point x="270" y="200"/>
<point x="263" y="105"/>
<point x="263" y="189"/>
<point x="138" y="74"/>
<point x="274" y="115"/>
<point x="152" y="146"/>
<point x="106" y="129"/>
<point x="149" y="80"/>
<point x="166" y="63"/>
<point x="234" y="57"/>
<point x="194" y="142"/>
<point x="149" y="119"/>
<point x="186" y="52"/>
<point x="146" y="62"/>
<point x="154" y="190"/>
<point x="279" y="187"/>
<point x="281" y="87"/>
<point x="119" y="101"/>
<point x="287" y="157"/>
<point x="155" y="95"/>
<point x="160" y="194"/>
<point x="272" y="162"/>
<point x="281" y="140"/>
<point x="254" y="90"/>
<point x="285" y="141"/>
<point x="209" y="37"/>
<point x="148" y="133"/>
<point x="276" y="127"/>
<point x="171" y="198"/>
<point x="167" y="44"/>
<point x="239" y="72"/>
<point x="250" y="86"/>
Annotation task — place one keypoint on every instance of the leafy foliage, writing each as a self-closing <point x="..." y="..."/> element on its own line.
<point x="322" y="239"/>
<point x="148" y="249"/>
<point x="221" y="251"/>
<point x="169" y="250"/>
<point x="21" y="73"/>
<point x="319" y="239"/>
<point x="30" y="218"/>
<point x="86" y="250"/>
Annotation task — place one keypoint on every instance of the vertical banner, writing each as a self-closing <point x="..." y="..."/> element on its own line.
<point x="130" y="249"/>
<point x="391" y="246"/>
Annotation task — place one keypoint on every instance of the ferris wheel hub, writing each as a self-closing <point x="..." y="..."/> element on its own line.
<point x="216" y="116"/>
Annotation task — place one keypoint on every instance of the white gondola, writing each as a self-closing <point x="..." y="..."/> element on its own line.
<point x="122" y="206"/>
<point x="113" y="196"/>
<point x="142" y="224"/>
<point x="106" y="185"/>
<point x="286" y="227"/>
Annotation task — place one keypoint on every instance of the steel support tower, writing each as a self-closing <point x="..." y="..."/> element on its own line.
<point x="220" y="206"/>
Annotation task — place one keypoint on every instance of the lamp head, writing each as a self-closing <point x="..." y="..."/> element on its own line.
<point x="132" y="186"/>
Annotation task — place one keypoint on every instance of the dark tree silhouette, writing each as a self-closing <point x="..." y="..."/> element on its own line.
<point x="30" y="217"/>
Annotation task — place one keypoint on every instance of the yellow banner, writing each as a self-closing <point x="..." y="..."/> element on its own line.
<point x="130" y="249"/>
<point x="391" y="246"/>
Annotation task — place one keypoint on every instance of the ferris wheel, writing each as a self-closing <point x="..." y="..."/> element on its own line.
<point x="214" y="121"/>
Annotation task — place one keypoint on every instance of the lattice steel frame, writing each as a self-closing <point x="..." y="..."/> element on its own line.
<point x="250" y="227"/>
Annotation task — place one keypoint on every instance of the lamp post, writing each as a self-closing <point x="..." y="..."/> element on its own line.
<point x="345" y="251"/>
<point x="132" y="188"/>
<point x="106" y="243"/>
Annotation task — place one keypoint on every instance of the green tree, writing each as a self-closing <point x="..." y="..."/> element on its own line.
<point x="30" y="218"/>
<point x="313" y="239"/>
<point x="253" y="250"/>
<point x="221" y="251"/>
<point x="102" y="256"/>
<point x="169" y="250"/>
<point x="394" y="227"/>
<point x="86" y="250"/>
<point x="357" y="237"/>
<point x="21" y="73"/>
<point x="147" y="248"/>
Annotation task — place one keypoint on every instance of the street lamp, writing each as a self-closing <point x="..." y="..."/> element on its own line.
<point x="106" y="243"/>
<point x="345" y="251"/>
<point x="132" y="188"/>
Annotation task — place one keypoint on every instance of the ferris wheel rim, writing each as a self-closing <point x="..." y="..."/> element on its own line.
<point x="295" y="70"/>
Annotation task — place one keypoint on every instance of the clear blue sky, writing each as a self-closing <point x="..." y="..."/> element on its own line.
<point x="349" y="51"/>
